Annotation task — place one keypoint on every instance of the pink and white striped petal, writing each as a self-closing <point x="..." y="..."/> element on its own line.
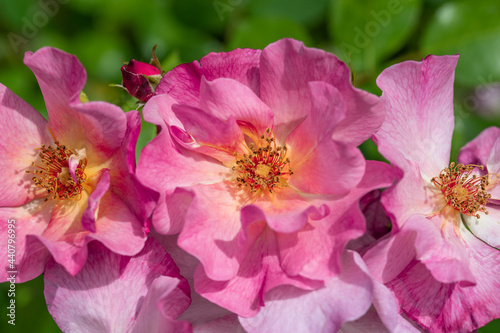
<point x="452" y="307"/>
<point x="29" y="220"/>
<point x="24" y="130"/>
<point x="289" y="309"/>
<point x="418" y="126"/>
<point x="93" y="300"/>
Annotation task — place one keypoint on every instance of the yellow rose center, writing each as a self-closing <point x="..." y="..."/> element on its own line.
<point x="53" y="174"/>
<point x="462" y="190"/>
<point x="265" y="167"/>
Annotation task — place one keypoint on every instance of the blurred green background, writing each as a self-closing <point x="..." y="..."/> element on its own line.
<point x="369" y="35"/>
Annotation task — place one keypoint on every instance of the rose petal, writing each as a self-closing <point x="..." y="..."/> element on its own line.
<point x="332" y="168"/>
<point x="131" y="136"/>
<point x="327" y="110"/>
<point x="315" y="251"/>
<point x="183" y="82"/>
<point x="412" y="194"/>
<point x="74" y="161"/>
<point x="158" y="110"/>
<point x="97" y="126"/>
<point x="258" y="273"/>
<point x="64" y="236"/>
<point x="52" y="65"/>
<point x="289" y="309"/>
<point x="211" y="238"/>
<point x="440" y="249"/>
<point x="383" y="316"/>
<point x="90" y="214"/>
<point x="278" y="213"/>
<point x="143" y="68"/>
<point x="229" y="98"/>
<point x="286" y="68"/>
<point x="315" y="158"/>
<point x="452" y="307"/>
<point x="390" y="255"/>
<point x="378" y="224"/>
<point x="201" y="311"/>
<point x="16" y="153"/>
<point x="140" y="199"/>
<point x="478" y="150"/>
<point x="227" y="324"/>
<point x="30" y="255"/>
<point x="163" y="167"/>
<point x="493" y="162"/>
<point x="87" y="302"/>
<point x="162" y="304"/>
<point x="419" y="122"/>
<point x="486" y="228"/>
<point x="118" y="228"/>
<point x="493" y="166"/>
<point x="208" y="128"/>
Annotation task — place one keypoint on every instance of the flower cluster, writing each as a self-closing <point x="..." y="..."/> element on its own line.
<point x="253" y="209"/>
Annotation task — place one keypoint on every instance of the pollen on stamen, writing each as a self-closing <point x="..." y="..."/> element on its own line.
<point x="53" y="172"/>
<point x="266" y="166"/>
<point x="462" y="190"/>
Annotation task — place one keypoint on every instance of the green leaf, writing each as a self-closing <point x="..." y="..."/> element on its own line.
<point x="492" y="327"/>
<point x="257" y="33"/>
<point x="171" y="61"/>
<point x="83" y="97"/>
<point x="203" y="15"/>
<point x="299" y="11"/>
<point x="18" y="15"/>
<point x="31" y="308"/>
<point x="472" y="29"/>
<point x="371" y="30"/>
<point x="148" y="132"/>
<point x="165" y="30"/>
<point x="101" y="54"/>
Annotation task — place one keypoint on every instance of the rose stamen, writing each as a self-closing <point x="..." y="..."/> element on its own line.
<point x="265" y="167"/>
<point x="463" y="191"/>
<point x="53" y="173"/>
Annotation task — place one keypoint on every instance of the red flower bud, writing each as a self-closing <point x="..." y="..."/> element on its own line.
<point x="140" y="79"/>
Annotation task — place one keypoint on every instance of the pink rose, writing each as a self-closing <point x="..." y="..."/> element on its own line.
<point x="258" y="168"/>
<point x="71" y="180"/>
<point x="442" y="260"/>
